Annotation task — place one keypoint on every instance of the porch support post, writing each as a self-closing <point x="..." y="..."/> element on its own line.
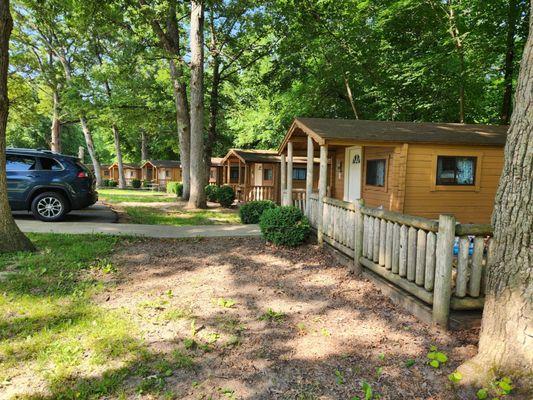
<point x="289" y="173"/>
<point x="442" y="291"/>
<point x="246" y="183"/>
<point x="283" y="179"/>
<point x="358" y="237"/>
<point x="309" y="175"/>
<point x="322" y="187"/>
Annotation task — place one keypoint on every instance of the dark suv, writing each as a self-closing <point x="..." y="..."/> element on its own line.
<point x="48" y="184"/>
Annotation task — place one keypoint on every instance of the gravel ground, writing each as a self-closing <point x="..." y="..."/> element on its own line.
<point x="326" y="335"/>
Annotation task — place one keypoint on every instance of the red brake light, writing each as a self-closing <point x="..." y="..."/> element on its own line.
<point x="82" y="174"/>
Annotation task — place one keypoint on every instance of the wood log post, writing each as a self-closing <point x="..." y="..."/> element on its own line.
<point x="358" y="236"/>
<point x="420" y="257"/>
<point x="462" y="267"/>
<point x="395" y="248"/>
<point x="382" y="239"/>
<point x="289" y="173"/>
<point x="283" y="175"/>
<point x="402" y="268"/>
<point x="477" y="265"/>
<point x="322" y="187"/>
<point x="411" y="254"/>
<point x="309" y="175"/>
<point x="365" y="233"/>
<point x="389" y="245"/>
<point x="375" y="244"/>
<point x="442" y="292"/>
<point x="429" y="276"/>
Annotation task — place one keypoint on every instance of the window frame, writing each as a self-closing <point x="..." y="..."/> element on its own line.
<point x="295" y="169"/>
<point x="231" y="178"/>
<point x="40" y="166"/>
<point x="474" y="177"/>
<point x="476" y="187"/>
<point x="377" y="157"/>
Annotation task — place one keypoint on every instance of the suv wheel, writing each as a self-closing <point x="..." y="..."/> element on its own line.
<point x="49" y="207"/>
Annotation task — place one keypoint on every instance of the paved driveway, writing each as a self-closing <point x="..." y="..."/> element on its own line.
<point x="101" y="219"/>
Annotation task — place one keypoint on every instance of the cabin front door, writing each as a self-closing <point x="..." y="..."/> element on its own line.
<point x="352" y="177"/>
<point x="258" y="174"/>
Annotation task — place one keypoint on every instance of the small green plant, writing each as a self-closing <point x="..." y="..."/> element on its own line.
<point x="135" y="183"/>
<point x="482" y="394"/>
<point x="182" y="360"/>
<point x="325" y="332"/>
<point x="367" y="390"/>
<point x="455" y="377"/>
<point x="272" y="315"/>
<point x="211" y="193"/>
<point x="228" y="393"/>
<point x="436" y="358"/>
<point x="409" y="363"/>
<point x="225" y="196"/>
<point x="175" y="188"/>
<point x="145" y="183"/>
<point x="285" y="226"/>
<point x="340" y="377"/>
<point x="112" y="183"/>
<point x="379" y="371"/>
<point x="102" y="265"/>
<point x="226" y="303"/>
<point x="251" y="212"/>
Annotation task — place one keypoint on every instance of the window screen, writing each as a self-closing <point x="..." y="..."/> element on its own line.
<point x="456" y="170"/>
<point x="375" y="172"/>
<point x="267" y="174"/>
<point x="299" y="174"/>
<point x="234" y="173"/>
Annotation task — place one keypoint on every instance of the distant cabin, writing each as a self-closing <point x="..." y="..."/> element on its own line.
<point x="256" y="174"/>
<point x="131" y="172"/>
<point x="215" y="171"/>
<point x="423" y="169"/>
<point x="160" y="172"/>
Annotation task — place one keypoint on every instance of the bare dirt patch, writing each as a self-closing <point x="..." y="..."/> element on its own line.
<point x="261" y="322"/>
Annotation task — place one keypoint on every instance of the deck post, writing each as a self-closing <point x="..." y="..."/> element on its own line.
<point x="309" y="175"/>
<point x="246" y="195"/>
<point x="283" y="179"/>
<point x="358" y="237"/>
<point x="289" y="173"/>
<point x="322" y="187"/>
<point x="442" y="291"/>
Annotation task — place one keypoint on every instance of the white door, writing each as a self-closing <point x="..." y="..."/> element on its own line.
<point x="258" y="174"/>
<point x="352" y="176"/>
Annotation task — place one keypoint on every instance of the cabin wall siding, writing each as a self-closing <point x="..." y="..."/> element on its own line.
<point x="382" y="197"/>
<point x="467" y="206"/>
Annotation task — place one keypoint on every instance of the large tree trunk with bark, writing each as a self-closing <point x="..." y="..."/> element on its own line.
<point x="90" y="149"/>
<point x="11" y="238"/>
<point x="214" y="106"/>
<point x="56" y="123"/>
<point x="184" y="125"/>
<point x="456" y="36"/>
<point x="144" y="146"/>
<point x="506" y="338"/>
<point x="509" y="62"/>
<point x="197" y="198"/>
<point x="118" y="151"/>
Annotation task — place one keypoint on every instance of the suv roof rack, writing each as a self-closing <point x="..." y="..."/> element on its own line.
<point x="25" y="150"/>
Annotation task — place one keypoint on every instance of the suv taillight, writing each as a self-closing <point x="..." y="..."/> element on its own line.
<point x="82" y="174"/>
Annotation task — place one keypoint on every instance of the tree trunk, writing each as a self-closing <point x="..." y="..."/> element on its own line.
<point x="11" y="238"/>
<point x="506" y="339"/>
<point x="197" y="197"/>
<point x="56" y="123"/>
<point x="214" y="106"/>
<point x="456" y="36"/>
<point x="184" y="125"/>
<point x="144" y="148"/>
<point x="81" y="153"/>
<point x="118" y="151"/>
<point x="90" y="149"/>
<point x="509" y="62"/>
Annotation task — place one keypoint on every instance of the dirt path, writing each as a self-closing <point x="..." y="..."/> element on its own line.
<point x="326" y="335"/>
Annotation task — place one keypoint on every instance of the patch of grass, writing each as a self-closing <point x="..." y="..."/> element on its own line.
<point x="271" y="315"/>
<point x="50" y="327"/>
<point x="180" y="217"/>
<point x="131" y="195"/>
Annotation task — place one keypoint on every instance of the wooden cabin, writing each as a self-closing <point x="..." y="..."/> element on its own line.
<point x="131" y="172"/>
<point x="256" y="174"/>
<point x="104" y="170"/>
<point x="422" y="169"/>
<point x="215" y="171"/>
<point x="160" y="172"/>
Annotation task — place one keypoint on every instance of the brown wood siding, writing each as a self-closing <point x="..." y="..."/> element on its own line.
<point x="337" y="188"/>
<point x="469" y="205"/>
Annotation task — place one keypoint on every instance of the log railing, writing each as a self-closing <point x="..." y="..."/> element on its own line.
<point x="439" y="262"/>
<point x="252" y="193"/>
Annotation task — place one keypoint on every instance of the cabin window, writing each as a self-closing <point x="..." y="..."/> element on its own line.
<point x="375" y="172"/>
<point x="211" y="174"/>
<point x="299" y="174"/>
<point x="106" y="172"/>
<point x="234" y="174"/>
<point x="167" y="174"/>
<point x="268" y="174"/>
<point x="456" y="170"/>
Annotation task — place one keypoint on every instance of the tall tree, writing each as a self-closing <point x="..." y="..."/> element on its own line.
<point x="512" y="16"/>
<point x="11" y="238"/>
<point x="197" y="197"/>
<point x="506" y="341"/>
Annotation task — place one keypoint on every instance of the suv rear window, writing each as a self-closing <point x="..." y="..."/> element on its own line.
<point x="20" y="163"/>
<point x="49" y="164"/>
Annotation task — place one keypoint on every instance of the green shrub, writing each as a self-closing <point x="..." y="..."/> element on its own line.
<point x="284" y="226"/>
<point x="146" y="183"/>
<point x="105" y="182"/>
<point x="112" y="183"/>
<point x="175" y="188"/>
<point x="211" y="193"/>
<point x="135" y="183"/>
<point x="251" y="212"/>
<point x="225" y="195"/>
